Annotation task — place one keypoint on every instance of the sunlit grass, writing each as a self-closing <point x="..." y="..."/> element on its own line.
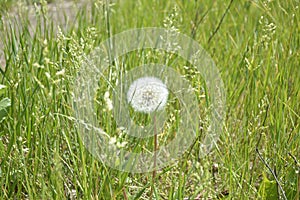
<point x="256" y="50"/>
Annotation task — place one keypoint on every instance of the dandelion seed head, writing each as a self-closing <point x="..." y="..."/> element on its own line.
<point x="147" y="94"/>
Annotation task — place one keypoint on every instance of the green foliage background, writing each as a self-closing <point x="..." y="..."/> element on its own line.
<point x="256" y="47"/>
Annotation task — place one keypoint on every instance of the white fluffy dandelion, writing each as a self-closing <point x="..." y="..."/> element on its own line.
<point x="147" y="94"/>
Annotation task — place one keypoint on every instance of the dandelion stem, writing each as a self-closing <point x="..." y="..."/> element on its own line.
<point x="155" y="156"/>
<point x="155" y="146"/>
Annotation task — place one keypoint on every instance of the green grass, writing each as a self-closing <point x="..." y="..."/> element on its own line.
<point x="43" y="157"/>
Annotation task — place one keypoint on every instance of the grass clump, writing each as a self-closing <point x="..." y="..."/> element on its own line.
<point x="256" y="49"/>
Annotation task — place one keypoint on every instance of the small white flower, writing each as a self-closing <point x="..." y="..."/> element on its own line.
<point x="61" y="72"/>
<point x="106" y="95"/>
<point x="112" y="140"/>
<point x="109" y="104"/>
<point x="147" y="94"/>
<point x="47" y="60"/>
<point x="37" y="65"/>
<point x="121" y="144"/>
<point x="48" y="75"/>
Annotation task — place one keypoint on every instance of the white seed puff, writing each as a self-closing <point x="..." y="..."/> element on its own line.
<point x="147" y="94"/>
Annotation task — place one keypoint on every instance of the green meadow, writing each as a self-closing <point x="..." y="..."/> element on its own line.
<point x="255" y="45"/>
